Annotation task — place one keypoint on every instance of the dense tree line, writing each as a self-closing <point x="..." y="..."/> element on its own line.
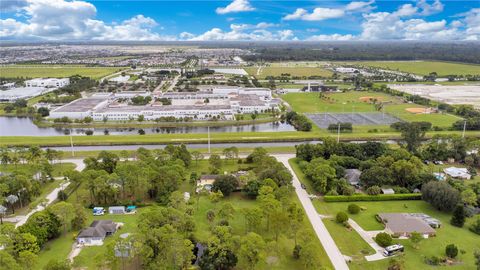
<point x="299" y="121"/>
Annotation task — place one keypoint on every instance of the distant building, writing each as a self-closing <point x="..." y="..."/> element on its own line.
<point x="388" y="191"/>
<point x="96" y="233"/>
<point x="353" y="176"/>
<point x="116" y="210"/>
<point x="206" y="182"/>
<point x="48" y="83"/>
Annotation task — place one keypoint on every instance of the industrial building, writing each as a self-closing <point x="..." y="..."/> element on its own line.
<point x="218" y="103"/>
<point x="14" y="94"/>
<point x="48" y="82"/>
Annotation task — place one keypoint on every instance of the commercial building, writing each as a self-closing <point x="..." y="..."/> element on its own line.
<point x="48" y="82"/>
<point x="22" y="93"/>
<point x="80" y="108"/>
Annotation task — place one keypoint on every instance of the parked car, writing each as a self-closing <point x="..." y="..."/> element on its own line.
<point x="303" y="186"/>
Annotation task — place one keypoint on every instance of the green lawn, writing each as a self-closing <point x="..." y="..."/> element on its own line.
<point x="293" y="71"/>
<point x="28" y="169"/>
<point x="36" y="71"/>
<point x="351" y="102"/>
<point x="336" y="102"/>
<point x="425" y="67"/>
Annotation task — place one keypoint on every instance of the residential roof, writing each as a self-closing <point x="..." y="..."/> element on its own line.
<point x="400" y="223"/>
<point x="353" y="176"/>
<point x="98" y="228"/>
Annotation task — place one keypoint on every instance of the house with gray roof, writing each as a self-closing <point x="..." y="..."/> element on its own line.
<point x="404" y="224"/>
<point x="96" y="233"/>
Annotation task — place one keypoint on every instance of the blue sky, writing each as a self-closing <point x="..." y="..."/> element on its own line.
<point x="239" y="20"/>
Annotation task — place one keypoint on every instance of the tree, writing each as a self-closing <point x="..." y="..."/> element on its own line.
<point x="476" y="255"/>
<point x="80" y="217"/>
<point x="27" y="259"/>
<point x="376" y="176"/>
<point x="226" y="184"/>
<point x="383" y="239"/>
<point x="55" y="264"/>
<point x="341" y="217"/>
<point x="43" y="111"/>
<point x="226" y="211"/>
<point x="415" y="238"/>
<point x="310" y="257"/>
<point x="413" y="134"/>
<point x="252" y="250"/>
<point x="253" y="218"/>
<point x="215" y="163"/>
<point x="210" y="216"/>
<point x="451" y="251"/>
<point x="458" y="217"/>
<point x="65" y="213"/>
<point x="440" y="195"/>
<point x="3" y="212"/>
<point x="251" y="188"/>
<point x="197" y="155"/>
<point x="7" y="261"/>
<point x="296" y="252"/>
<point x="12" y="199"/>
<point x="140" y="118"/>
<point x="353" y="208"/>
<point x="295" y="217"/>
<point x="469" y="197"/>
<point x="25" y="242"/>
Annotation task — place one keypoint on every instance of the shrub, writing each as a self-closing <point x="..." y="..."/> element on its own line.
<point x="374" y="190"/>
<point x="440" y="195"/>
<point x="341" y="217"/>
<point x="451" y="251"/>
<point x="458" y="217"/>
<point x="353" y="208"/>
<point x="476" y="226"/>
<point x="433" y="260"/>
<point x="296" y="252"/>
<point x="380" y="197"/>
<point x="383" y="239"/>
<point x="89" y="132"/>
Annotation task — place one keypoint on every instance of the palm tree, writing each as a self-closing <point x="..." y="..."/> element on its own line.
<point x="12" y="199"/>
<point x="5" y="156"/>
<point x="34" y="153"/>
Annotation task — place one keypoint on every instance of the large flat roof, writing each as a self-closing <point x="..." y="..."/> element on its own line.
<point x="81" y="105"/>
<point x="405" y="223"/>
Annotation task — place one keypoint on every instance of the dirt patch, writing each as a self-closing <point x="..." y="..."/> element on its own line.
<point x="370" y="99"/>
<point x="418" y="110"/>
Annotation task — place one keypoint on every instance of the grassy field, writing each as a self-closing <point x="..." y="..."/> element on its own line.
<point x="425" y="67"/>
<point x="58" y="169"/>
<point x="36" y="71"/>
<point x="351" y="101"/>
<point x="293" y="71"/>
<point x="435" y="246"/>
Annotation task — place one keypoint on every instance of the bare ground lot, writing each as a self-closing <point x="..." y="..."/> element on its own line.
<point x="451" y="94"/>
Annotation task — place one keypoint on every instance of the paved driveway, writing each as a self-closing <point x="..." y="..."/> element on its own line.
<point x="323" y="235"/>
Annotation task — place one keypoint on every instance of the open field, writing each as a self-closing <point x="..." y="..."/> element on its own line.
<point x="435" y="246"/>
<point x="425" y="67"/>
<point x="354" y="102"/>
<point x="293" y="71"/>
<point x="359" y="133"/>
<point x="37" y="71"/>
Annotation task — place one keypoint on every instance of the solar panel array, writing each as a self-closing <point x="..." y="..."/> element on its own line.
<point x="323" y="120"/>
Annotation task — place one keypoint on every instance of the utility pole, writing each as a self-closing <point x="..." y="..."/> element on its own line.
<point x="208" y="131"/>
<point x="338" y="133"/>
<point x="464" y="128"/>
<point x="71" y="145"/>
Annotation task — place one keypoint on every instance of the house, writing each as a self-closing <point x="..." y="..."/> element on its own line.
<point x="206" y="182"/>
<point x="388" y="191"/>
<point x="116" y="210"/>
<point x="404" y="224"/>
<point x="98" y="211"/>
<point x="461" y="173"/>
<point x="96" y="233"/>
<point x="353" y="176"/>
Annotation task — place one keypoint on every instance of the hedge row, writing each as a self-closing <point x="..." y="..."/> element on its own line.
<point x="380" y="197"/>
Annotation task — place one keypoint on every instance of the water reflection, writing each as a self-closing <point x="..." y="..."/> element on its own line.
<point x="23" y="126"/>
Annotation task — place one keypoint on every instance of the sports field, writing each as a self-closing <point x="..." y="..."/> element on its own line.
<point x="425" y="67"/>
<point x="354" y="102"/>
<point x="263" y="72"/>
<point x="38" y="71"/>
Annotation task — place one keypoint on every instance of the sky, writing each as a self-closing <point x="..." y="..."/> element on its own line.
<point x="122" y="20"/>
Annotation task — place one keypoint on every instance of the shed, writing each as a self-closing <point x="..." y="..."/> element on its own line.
<point x="388" y="191"/>
<point x="461" y="173"/>
<point x="116" y="210"/>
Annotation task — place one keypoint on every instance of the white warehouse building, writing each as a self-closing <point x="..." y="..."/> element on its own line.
<point x="48" y="82"/>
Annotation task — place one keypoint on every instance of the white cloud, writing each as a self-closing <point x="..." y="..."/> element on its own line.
<point x="406" y="11"/>
<point x="236" y="6"/>
<point x="360" y="6"/>
<point x="62" y="20"/>
<point x="334" y="37"/>
<point x="472" y="24"/>
<point x="243" y="32"/>
<point x="318" y="14"/>
<point x="428" y="9"/>
<point x="12" y="5"/>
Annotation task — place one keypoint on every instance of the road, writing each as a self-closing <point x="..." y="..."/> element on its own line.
<point x="50" y="198"/>
<point x="336" y="257"/>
